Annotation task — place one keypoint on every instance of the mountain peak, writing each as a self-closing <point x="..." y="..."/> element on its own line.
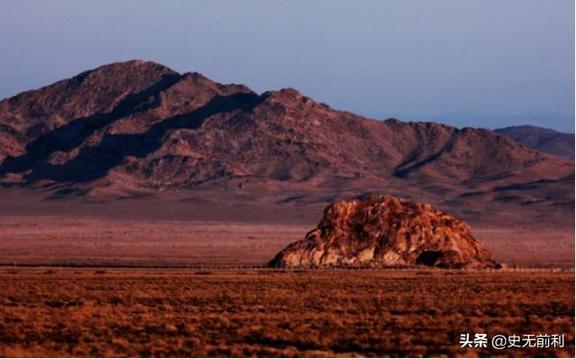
<point x="292" y="98"/>
<point x="122" y="73"/>
<point x="133" y="66"/>
<point x="284" y="95"/>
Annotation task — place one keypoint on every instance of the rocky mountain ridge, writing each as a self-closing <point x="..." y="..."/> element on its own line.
<point x="542" y="139"/>
<point x="134" y="128"/>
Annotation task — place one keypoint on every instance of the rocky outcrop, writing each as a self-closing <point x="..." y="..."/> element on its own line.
<point x="382" y="231"/>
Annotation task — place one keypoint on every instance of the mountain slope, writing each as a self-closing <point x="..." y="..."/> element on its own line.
<point x="542" y="139"/>
<point x="138" y="127"/>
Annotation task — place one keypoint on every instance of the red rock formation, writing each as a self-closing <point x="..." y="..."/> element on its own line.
<point x="382" y="231"/>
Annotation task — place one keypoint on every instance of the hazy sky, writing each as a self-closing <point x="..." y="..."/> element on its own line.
<point x="481" y="63"/>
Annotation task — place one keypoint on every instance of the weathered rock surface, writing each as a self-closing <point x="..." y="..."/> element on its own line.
<point x="382" y="231"/>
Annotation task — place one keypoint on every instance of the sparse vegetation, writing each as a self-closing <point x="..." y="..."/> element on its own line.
<point x="72" y="312"/>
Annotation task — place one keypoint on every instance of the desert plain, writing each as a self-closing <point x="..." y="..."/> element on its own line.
<point x="220" y="313"/>
<point x="127" y="279"/>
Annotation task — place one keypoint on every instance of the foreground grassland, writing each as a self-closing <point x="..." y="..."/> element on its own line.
<point x="90" y="312"/>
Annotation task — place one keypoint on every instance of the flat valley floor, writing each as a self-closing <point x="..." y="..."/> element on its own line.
<point x="57" y="240"/>
<point x="164" y="312"/>
<point x="138" y="279"/>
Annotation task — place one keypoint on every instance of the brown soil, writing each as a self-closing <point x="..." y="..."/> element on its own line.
<point x="101" y="241"/>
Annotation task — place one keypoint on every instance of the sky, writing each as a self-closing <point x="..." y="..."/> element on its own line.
<point x="478" y="63"/>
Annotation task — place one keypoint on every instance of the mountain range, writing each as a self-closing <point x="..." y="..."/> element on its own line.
<point x="542" y="139"/>
<point x="138" y="128"/>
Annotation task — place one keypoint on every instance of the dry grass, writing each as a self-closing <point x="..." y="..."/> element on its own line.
<point x="265" y="313"/>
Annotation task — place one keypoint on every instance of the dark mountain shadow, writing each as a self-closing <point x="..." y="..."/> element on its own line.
<point x="71" y="135"/>
<point x="407" y="167"/>
<point x="94" y="162"/>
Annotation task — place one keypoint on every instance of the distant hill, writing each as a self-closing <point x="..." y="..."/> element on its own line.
<point x="138" y="128"/>
<point x="542" y="139"/>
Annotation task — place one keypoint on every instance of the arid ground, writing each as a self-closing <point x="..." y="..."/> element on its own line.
<point x="177" y="231"/>
<point x="113" y="312"/>
<point x="54" y="240"/>
<point x="67" y="287"/>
